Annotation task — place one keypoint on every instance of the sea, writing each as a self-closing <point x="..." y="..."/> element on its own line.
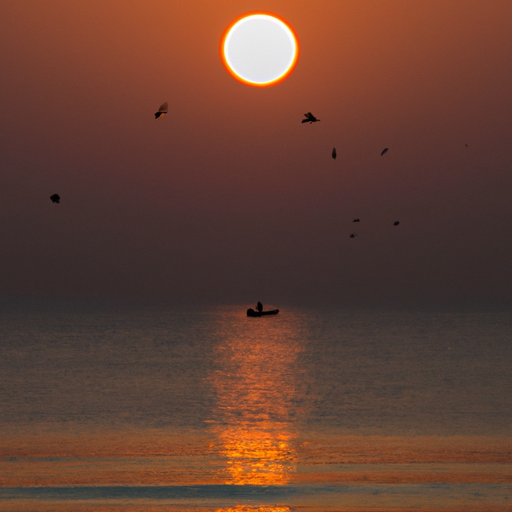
<point x="131" y="409"/>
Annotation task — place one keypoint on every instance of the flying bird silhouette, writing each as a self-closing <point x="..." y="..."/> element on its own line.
<point x="396" y="223"/>
<point x="55" y="198"/>
<point x="161" y="111"/>
<point x="353" y="235"/>
<point x="385" y="150"/>
<point x="310" y="118"/>
<point x="355" y="220"/>
<point x="334" y="153"/>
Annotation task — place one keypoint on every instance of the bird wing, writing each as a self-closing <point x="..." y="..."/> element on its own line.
<point x="163" y="107"/>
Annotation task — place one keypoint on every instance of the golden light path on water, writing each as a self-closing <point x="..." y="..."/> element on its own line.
<point x="255" y="387"/>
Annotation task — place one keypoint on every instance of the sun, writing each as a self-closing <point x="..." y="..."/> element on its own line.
<point x="259" y="49"/>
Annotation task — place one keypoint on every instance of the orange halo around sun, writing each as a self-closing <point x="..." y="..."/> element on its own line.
<point x="240" y="79"/>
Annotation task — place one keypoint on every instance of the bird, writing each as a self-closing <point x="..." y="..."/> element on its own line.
<point x="396" y="223"/>
<point x="161" y="111"/>
<point x="334" y="153"/>
<point x="356" y="220"/>
<point x="353" y="235"/>
<point x="310" y="118"/>
<point x="55" y="198"/>
<point x="385" y="150"/>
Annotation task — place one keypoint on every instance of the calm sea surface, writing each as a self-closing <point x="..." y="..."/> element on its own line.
<point x="104" y="409"/>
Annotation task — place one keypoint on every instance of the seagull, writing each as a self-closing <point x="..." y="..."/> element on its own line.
<point x="161" y="111"/>
<point x="310" y="118"/>
<point x="356" y="220"/>
<point x="396" y="223"/>
<point x="385" y="150"/>
<point x="55" y="198"/>
<point x="334" y="153"/>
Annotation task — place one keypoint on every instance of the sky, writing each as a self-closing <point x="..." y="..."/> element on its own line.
<point x="230" y="198"/>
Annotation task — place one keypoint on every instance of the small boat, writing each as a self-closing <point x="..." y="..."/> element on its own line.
<point x="257" y="314"/>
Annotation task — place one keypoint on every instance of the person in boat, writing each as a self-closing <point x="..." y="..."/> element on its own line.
<point x="259" y="307"/>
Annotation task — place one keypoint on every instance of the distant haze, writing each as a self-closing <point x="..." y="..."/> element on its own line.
<point x="229" y="197"/>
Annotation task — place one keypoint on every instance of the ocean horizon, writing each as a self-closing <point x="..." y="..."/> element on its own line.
<point x="201" y="408"/>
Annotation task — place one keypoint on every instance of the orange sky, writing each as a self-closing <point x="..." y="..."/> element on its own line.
<point x="230" y="197"/>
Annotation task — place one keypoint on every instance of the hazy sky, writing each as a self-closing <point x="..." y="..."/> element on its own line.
<point x="230" y="197"/>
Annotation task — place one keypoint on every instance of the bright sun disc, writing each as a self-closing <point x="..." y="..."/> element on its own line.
<point x="259" y="49"/>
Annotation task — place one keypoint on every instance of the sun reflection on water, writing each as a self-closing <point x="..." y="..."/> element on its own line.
<point x="255" y="388"/>
<point x="257" y="457"/>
